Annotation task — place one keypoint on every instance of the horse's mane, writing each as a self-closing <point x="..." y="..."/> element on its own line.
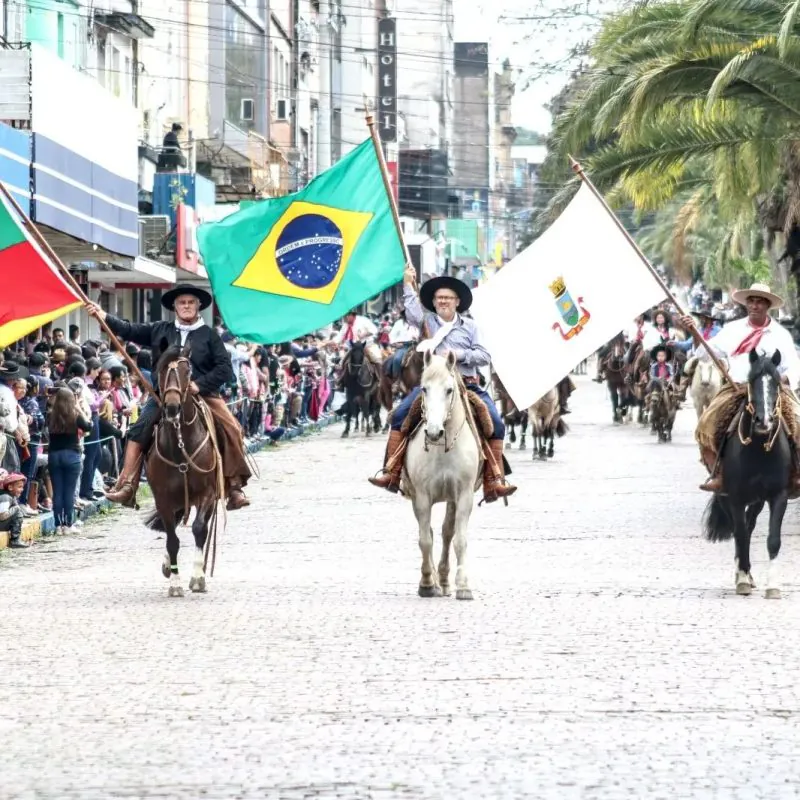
<point x="170" y="354"/>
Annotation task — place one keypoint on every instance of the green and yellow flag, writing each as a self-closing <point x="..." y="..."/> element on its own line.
<point x="284" y="267"/>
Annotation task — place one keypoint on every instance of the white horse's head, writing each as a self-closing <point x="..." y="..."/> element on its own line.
<point x="439" y="385"/>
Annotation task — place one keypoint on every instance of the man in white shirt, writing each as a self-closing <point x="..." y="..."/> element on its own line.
<point x="356" y="328"/>
<point x="10" y="372"/>
<point x="757" y="331"/>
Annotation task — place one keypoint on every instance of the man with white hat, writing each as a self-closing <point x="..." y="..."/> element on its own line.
<point x="757" y="331"/>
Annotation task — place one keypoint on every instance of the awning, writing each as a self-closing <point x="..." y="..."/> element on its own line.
<point x="145" y="271"/>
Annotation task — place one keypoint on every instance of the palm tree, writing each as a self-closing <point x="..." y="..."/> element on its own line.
<point x="689" y="96"/>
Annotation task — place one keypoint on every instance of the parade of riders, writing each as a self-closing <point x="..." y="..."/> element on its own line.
<point x="211" y="369"/>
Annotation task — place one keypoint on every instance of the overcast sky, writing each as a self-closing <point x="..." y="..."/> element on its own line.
<point x="538" y="48"/>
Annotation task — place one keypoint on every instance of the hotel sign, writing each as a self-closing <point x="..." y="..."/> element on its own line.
<point x="387" y="79"/>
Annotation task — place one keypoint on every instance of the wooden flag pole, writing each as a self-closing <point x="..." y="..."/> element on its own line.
<point x="720" y="365"/>
<point x="387" y="183"/>
<point x="68" y="277"/>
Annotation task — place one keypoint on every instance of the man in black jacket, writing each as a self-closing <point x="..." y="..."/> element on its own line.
<point x="211" y="368"/>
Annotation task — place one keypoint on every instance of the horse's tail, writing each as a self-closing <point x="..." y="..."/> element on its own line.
<point x="562" y="429"/>
<point x="717" y="521"/>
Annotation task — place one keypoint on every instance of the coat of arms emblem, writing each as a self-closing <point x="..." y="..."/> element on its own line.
<point x="574" y="315"/>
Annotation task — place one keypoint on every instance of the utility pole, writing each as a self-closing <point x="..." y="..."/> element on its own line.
<point x="324" y="130"/>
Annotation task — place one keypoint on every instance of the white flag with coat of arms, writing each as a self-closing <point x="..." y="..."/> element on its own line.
<point x="553" y="305"/>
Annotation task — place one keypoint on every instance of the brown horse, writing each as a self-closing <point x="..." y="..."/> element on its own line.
<point x="612" y="367"/>
<point x="184" y="469"/>
<point x="410" y="374"/>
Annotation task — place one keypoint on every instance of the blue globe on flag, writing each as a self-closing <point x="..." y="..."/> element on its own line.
<point x="309" y="251"/>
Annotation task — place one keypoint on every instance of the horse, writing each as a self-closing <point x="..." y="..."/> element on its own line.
<point x="410" y="372"/>
<point x="662" y="409"/>
<point x="361" y="388"/>
<point x="443" y="465"/>
<point x="546" y="422"/>
<point x="706" y="383"/>
<point x="637" y="373"/>
<point x="756" y="469"/>
<point x="613" y="364"/>
<point x="184" y="469"/>
<point x="511" y="415"/>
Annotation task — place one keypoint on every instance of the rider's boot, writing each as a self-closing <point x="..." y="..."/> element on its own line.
<point x="393" y="463"/>
<point x="495" y="485"/>
<point x="714" y="481"/>
<point x="236" y="497"/>
<point x="124" y="490"/>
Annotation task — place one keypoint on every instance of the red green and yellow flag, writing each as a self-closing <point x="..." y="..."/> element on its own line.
<point x="34" y="293"/>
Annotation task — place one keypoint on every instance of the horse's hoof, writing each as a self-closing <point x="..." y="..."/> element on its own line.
<point x="198" y="585"/>
<point x="430" y="591"/>
<point x="772" y="594"/>
<point x="345" y="434"/>
<point x="446" y="590"/>
<point x="508" y="445"/>
<point x="744" y="588"/>
<point x="175" y="591"/>
<point x="522" y="446"/>
<point x="463" y="594"/>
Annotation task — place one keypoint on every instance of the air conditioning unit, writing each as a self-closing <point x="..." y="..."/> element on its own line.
<point x="282" y="109"/>
<point x="154" y="231"/>
<point x="247" y="110"/>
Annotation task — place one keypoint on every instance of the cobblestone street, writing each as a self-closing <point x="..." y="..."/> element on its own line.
<point x="605" y="654"/>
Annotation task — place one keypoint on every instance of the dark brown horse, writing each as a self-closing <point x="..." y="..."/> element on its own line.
<point x="612" y="367"/>
<point x="184" y="469"/>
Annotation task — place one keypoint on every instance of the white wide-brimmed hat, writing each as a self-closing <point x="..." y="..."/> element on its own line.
<point x="758" y="290"/>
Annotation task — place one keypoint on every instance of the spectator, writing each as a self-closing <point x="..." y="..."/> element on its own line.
<point x="11" y="516"/>
<point x="66" y="428"/>
<point x="10" y="372"/>
<point x="74" y="334"/>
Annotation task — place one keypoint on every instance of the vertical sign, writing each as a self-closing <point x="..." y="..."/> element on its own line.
<point x="387" y="79"/>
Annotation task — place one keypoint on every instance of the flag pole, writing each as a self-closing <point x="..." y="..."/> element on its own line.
<point x="74" y="285"/>
<point x="720" y="365"/>
<point x="387" y="183"/>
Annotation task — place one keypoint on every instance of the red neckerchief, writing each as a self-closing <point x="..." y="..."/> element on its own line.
<point x="706" y="332"/>
<point x="349" y="336"/>
<point x="752" y="340"/>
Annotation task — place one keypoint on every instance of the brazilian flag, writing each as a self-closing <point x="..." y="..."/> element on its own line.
<point x="283" y="267"/>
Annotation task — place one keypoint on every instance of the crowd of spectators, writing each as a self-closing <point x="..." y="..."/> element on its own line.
<point x="66" y="405"/>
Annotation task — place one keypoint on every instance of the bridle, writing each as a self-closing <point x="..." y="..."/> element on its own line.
<point x="428" y="441"/>
<point x="777" y="414"/>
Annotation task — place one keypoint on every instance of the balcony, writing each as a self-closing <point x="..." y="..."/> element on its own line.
<point x="127" y="24"/>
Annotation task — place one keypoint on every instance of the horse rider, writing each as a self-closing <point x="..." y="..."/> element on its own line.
<point x="642" y="332"/>
<point x="446" y="299"/>
<point x="757" y="331"/>
<point x="661" y="366"/>
<point x="357" y="328"/>
<point x="401" y="337"/>
<point x="708" y="324"/>
<point x="211" y="369"/>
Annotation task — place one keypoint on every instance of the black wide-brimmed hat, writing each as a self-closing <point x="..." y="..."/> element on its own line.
<point x="168" y="298"/>
<point x="658" y="348"/>
<point x="10" y="369"/>
<point x="430" y="287"/>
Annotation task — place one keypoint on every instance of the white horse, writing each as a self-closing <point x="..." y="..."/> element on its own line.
<point x="706" y="383"/>
<point x="543" y="417"/>
<point x="443" y="465"/>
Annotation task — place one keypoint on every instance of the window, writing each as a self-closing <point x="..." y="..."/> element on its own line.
<point x="244" y="70"/>
<point x="115" y="82"/>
